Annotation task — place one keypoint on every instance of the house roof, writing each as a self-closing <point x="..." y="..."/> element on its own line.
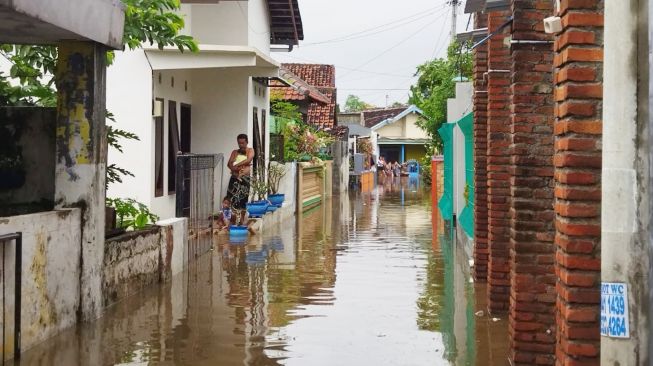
<point x="374" y="116"/>
<point x="317" y="75"/>
<point x="323" y="115"/>
<point x="286" y="25"/>
<point x="322" y="82"/>
<point x="299" y="89"/>
<point x="393" y="115"/>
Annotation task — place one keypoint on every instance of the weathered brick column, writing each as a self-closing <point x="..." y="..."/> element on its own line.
<point x="481" y="250"/>
<point x="578" y="126"/>
<point x="498" y="160"/>
<point x="533" y="297"/>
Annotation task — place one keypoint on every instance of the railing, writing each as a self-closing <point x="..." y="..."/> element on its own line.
<point x="5" y="241"/>
<point x="195" y="196"/>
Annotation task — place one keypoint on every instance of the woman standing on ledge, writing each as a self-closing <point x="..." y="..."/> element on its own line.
<point x="239" y="164"/>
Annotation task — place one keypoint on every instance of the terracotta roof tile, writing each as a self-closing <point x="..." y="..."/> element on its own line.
<point x="314" y="74"/>
<point x="323" y="115"/>
<point x="321" y="78"/>
<point x="374" y="116"/>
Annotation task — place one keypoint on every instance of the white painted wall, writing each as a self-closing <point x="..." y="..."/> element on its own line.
<point x="180" y="92"/>
<point x="50" y="273"/>
<point x="224" y="23"/>
<point x="129" y="95"/>
<point x="412" y="131"/>
<point x="392" y="130"/>
<point x="259" y="25"/>
<point x="259" y="98"/>
<point x="457" y="108"/>
<point x="625" y="172"/>
<point x="220" y="112"/>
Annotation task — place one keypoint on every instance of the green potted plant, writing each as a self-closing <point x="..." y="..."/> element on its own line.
<point x="276" y="171"/>
<point x="259" y="205"/>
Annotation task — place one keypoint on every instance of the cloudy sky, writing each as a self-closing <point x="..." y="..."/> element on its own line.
<point x="374" y="44"/>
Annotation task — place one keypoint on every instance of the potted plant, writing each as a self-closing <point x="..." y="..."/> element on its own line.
<point x="259" y="205"/>
<point x="276" y="171"/>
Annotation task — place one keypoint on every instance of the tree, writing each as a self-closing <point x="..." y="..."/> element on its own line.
<point x="436" y="83"/>
<point x="153" y="21"/>
<point x="284" y="109"/>
<point x="355" y="104"/>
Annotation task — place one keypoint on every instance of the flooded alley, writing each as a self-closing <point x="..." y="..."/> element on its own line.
<point x="364" y="279"/>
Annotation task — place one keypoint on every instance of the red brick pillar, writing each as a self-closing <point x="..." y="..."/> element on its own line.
<point x="578" y="126"/>
<point x="532" y="297"/>
<point x="498" y="160"/>
<point x="481" y="250"/>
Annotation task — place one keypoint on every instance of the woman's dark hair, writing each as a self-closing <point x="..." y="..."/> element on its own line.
<point x="242" y="136"/>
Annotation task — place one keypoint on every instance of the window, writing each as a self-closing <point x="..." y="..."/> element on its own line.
<point x="173" y="145"/>
<point x="158" y="154"/>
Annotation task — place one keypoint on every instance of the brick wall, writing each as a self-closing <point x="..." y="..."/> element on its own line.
<point x="578" y="126"/>
<point x="533" y="296"/>
<point x="498" y="160"/>
<point x="481" y="250"/>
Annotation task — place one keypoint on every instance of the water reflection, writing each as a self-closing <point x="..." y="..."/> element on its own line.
<point x="370" y="278"/>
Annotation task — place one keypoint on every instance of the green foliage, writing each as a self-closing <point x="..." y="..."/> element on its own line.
<point x="131" y="214"/>
<point x="114" y="135"/>
<point x="276" y="171"/>
<point x="284" y="109"/>
<point x="259" y="188"/>
<point x="155" y="21"/>
<point x="33" y="67"/>
<point x="303" y="142"/>
<point x="436" y="83"/>
<point x="355" y="104"/>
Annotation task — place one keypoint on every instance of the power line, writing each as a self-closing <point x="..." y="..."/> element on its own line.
<point x="344" y="67"/>
<point x="391" y="48"/>
<point x="419" y="15"/>
<point x="352" y="37"/>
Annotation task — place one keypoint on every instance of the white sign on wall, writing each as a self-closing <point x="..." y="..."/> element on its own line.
<point x="614" y="310"/>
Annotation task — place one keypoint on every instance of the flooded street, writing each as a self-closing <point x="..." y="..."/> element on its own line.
<point x="365" y="279"/>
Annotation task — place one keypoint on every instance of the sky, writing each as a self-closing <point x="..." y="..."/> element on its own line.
<point x="375" y="45"/>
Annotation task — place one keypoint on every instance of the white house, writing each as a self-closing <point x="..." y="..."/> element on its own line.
<point x="197" y="102"/>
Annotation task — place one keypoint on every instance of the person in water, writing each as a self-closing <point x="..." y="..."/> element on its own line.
<point x="239" y="164"/>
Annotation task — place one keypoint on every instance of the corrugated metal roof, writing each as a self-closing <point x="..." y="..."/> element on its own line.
<point x="473" y="6"/>
<point x="473" y="35"/>
<point x="496" y="5"/>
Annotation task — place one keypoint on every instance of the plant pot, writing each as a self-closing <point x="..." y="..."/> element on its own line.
<point x="271" y="208"/>
<point x="277" y="199"/>
<point x="257" y="209"/>
<point x="237" y="230"/>
<point x="237" y="234"/>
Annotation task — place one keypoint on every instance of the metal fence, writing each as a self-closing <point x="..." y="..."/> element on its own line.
<point x="5" y="244"/>
<point x="196" y="196"/>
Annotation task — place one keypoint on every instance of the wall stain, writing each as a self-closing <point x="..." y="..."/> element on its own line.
<point x="47" y="313"/>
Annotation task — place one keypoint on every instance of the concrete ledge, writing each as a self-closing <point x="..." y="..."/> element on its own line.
<point x="277" y="217"/>
<point x="137" y="259"/>
<point x="52" y="21"/>
<point x="50" y="274"/>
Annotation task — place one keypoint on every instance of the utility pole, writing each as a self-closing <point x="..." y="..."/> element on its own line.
<point x="454" y="16"/>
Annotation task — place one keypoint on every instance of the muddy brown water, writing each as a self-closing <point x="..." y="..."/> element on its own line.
<point x="365" y="279"/>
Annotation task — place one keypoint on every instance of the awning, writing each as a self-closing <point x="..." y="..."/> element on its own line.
<point x="475" y="6"/>
<point x="49" y="22"/>
<point x="473" y="35"/>
<point x="401" y="141"/>
<point x="213" y="57"/>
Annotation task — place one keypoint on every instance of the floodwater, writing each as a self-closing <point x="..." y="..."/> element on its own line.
<point x="365" y="279"/>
